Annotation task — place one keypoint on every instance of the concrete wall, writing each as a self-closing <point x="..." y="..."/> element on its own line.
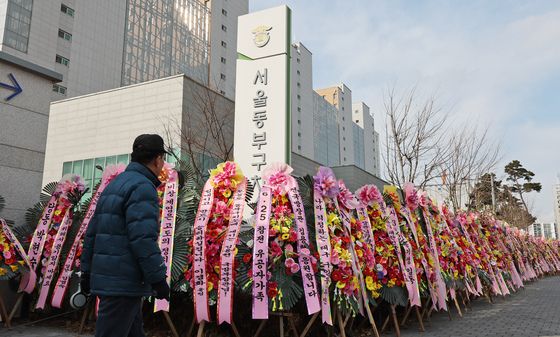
<point x="354" y="177"/>
<point x="106" y="123"/>
<point x="23" y="132"/>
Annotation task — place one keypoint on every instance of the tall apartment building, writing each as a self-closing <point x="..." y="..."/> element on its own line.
<point x="59" y="49"/>
<point x="364" y="123"/>
<point x="556" y="198"/>
<point x="544" y="230"/>
<point x="104" y="44"/>
<point x="341" y="98"/>
<point x="302" y="101"/>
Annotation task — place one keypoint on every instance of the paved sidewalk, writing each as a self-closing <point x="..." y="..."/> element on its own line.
<point x="532" y="312"/>
<point x="38" y="331"/>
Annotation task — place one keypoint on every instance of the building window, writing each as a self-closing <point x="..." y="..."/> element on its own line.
<point x="298" y="109"/>
<point x="298" y="72"/>
<point x="343" y="128"/>
<point x="299" y="147"/>
<point x="299" y="122"/>
<point x="224" y="28"/>
<point x="222" y="92"/>
<point x="344" y="138"/>
<point x="357" y="120"/>
<point x="224" y="12"/>
<point x="64" y="35"/>
<point x="224" y="44"/>
<point x="62" y="60"/>
<point x="342" y="108"/>
<point x="18" y="24"/>
<point x="298" y="97"/>
<point x="67" y="10"/>
<point x="342" y="98"/>
<point x="343" y="118"/>
<point x="223" y="60"/>
<point x="59" y="89"/>
<point x="298" y="84"/>
<point x="298" y="60"/>
<point x="223" y="76"/>
<point x="299" y="134"/>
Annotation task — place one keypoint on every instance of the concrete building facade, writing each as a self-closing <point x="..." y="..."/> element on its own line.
<point x="23" y="131"/>
<point x="98" y="129"/>
<point x="544" y="230"/>
<point x="104" y="44"/>
<point x="556" y="199"/>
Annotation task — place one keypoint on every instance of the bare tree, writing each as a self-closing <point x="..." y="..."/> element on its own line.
<point x="415" y="134"/>
<point x="206" y="129"/>
<point x="471" y="155"/>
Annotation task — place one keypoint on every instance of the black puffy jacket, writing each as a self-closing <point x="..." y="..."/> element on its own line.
<point x="120" y="251"/>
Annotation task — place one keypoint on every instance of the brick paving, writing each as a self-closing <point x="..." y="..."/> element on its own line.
<point x="532" y="312"/>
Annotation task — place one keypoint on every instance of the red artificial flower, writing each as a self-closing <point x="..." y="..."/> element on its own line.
<point x="336" y="275"/>
<point x="247" y="257"/>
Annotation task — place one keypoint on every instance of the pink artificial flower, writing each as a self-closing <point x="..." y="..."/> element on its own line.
<point x="411" y="196"/>
<point x="369" y="194"/>
<point x="112" y="171"/>
<point x="345" y="197"/>
<point x="277" y="176"/>
<point x="289" y="248"/>
<point x="334" y="258"/>
<point x="221" y="207"/>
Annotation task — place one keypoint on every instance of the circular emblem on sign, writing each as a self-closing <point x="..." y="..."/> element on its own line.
<point x="261" y="35"/>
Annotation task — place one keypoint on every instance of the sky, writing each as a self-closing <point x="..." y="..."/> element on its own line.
<point x="496" y="63"/>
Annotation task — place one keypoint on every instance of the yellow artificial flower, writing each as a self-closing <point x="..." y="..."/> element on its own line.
<point x="285" y="236"/>
<point x="3" y="272"/>
<point x="217" y="269"/>
<point x="332" y="218"/>
<point x="369" y="283"/>
<point x="14" y="267"/>
<point x="391" y="283"/>
<point x="285" y="230"/>
<point x="226" y="193"/>
<point x="345" y="255"/>
<point x="360" y="253"/>
<point x="210" y="286"/>
<point x="340" y="284"/>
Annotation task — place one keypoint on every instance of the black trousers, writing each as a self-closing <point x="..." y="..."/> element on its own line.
<point x="119" y="317"/>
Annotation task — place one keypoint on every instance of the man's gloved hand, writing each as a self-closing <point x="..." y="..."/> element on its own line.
<point x="161" y="290"/>
<point x="84" y="284"/>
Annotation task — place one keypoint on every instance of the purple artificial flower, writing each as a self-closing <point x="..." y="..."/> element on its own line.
<point x="325" y="182"/>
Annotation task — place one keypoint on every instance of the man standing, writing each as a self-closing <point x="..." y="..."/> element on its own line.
<point x="121" y="261"/>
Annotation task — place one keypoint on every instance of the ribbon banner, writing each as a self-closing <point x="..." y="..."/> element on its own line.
<point x="346" y="221"/>
<point x="260" y="254"/>
<point x="30" y="276"/>
<point x="324" y="248"/>
<point x="440" y="284"/>
<point x="307" y="274"/>
<point x="38" y="242"/>
<point x="407" y="264"/>
<point x="167" y="231"/>
<point x="64" y="278"/>
<point x="366" y="227"/>
<point x="53" y="259"/>
<point x="225" y="291"/>
<point x="199" y="258"/>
